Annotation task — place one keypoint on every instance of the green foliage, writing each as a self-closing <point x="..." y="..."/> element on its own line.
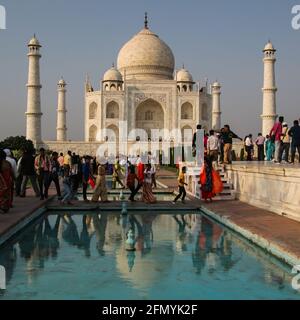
<point x="16" y="144"/>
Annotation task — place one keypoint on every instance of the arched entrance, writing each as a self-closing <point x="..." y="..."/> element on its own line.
<point x="112" y="133"/>
<point x="150" y="115"/>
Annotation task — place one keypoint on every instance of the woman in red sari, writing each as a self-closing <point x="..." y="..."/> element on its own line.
<point x="6" y="180"/>
<point x="210" y="181"/>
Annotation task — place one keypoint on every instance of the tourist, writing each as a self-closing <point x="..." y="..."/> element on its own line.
<point x="19" y="176"/>
<point x="6" y="183"/>
<point x="42" y="168"/>
<point x="86" y="175"/>
<point x="28" y="173"/>
<point x="67" y="189"/>
<point x="194" y="144"/>
<point x="117" y="175"/>
<point x="100" y="189"/>
<point x="249" y="147"/>
<point x="148" y="196"/>
<point x="61" y="161"/>
<point x="270" y="148"/>
<point x="54" y="175"/>
<point x="13" y="164"/>
<point x="75" y="175"/>
<point x="210" y="181"/>
<point x="275" y="135"/>
<point x="131" y="179"/>
<point x="260" y="143"/>
<point x="152" y="161"/>
<point x="181" y="186"/>
<point x="68" y="162"/>
<point x="285" y="144"/>
<point x="295" y="134"/>
<point x="227" y="137"/>
<point x="213" y="147"/>
<point x="140" y="169"/>
<point x="221" y="143"/>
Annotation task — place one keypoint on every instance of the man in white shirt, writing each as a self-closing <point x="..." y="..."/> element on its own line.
<point x="249" y="147"/>
<point x="260" y="142"/>
<point x="213" y="146"/>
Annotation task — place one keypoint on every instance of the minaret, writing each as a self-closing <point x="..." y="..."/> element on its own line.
<point x="269" y="90"/>
<point x="34" y="114"/>
<point x="216" y="106"/>
<point x="61" y="111"/>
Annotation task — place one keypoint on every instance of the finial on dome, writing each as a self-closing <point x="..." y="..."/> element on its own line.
<point x="146" y="20"/>
<point x="113" y="65"/>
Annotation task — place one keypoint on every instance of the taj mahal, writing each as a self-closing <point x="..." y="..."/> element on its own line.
<point x="145" y="91"/>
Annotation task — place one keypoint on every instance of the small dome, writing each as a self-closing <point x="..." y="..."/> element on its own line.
<point x="216" y="84"/>
<point x="184" y="76"/>
<point x="34" y="42"/>
<point x="112" y="75"/>
<point x="62" y="82"/>
<point x="269" y="47"/>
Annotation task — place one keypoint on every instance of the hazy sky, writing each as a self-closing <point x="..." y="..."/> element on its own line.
<point x="215" y="39"/>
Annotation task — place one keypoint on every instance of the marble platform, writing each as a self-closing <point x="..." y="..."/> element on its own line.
<point x="268" y="186"/>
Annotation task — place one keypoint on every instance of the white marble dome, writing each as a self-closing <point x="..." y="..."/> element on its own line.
<point x="112" y="75"/>
<point x="146" y="57"/>
<point x="183" y="75"/>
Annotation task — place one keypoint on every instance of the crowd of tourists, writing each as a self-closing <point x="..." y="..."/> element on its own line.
<point x="279" y="146"/>
<point x="68" y="172"/>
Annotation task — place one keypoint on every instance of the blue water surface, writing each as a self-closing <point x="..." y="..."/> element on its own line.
<point x="84" y="256"/>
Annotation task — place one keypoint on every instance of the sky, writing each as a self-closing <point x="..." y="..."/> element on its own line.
<point x="219" y="40"/>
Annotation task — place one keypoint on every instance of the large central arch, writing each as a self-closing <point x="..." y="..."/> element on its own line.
<point x="150" y="115"/>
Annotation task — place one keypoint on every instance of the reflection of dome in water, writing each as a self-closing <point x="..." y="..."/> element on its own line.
<point x="147" y="270"/>
<point x="155" y="265"/>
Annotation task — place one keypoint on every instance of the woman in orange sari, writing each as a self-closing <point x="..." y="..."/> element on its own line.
<point x="6" y="180"/>
<point x="210" y="181"/>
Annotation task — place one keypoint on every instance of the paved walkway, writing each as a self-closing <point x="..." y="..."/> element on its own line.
<point x="22" y="210"/>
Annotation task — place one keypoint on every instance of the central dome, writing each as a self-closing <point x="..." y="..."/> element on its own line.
<point x="146" y="57"/>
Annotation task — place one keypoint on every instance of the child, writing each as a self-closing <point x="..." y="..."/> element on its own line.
<point x="181" y="186"/>
<point x="210" y="180"/>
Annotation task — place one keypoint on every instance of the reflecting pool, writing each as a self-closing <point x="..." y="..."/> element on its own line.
<point x="84" y="256"/>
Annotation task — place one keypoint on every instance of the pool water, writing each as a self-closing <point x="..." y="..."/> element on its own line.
<point x="83" y="256"/>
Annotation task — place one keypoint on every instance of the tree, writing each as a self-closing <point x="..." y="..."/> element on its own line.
<point x="17" y="143"/>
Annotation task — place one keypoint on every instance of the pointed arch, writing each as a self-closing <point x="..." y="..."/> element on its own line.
<point x="93" y="108"/>
<point x="93" y="133"/>
<point x="112" y="110"/>
<point x="187" y="111"/>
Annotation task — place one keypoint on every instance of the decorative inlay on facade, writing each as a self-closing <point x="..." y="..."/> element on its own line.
<point x="141" y="97"/>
